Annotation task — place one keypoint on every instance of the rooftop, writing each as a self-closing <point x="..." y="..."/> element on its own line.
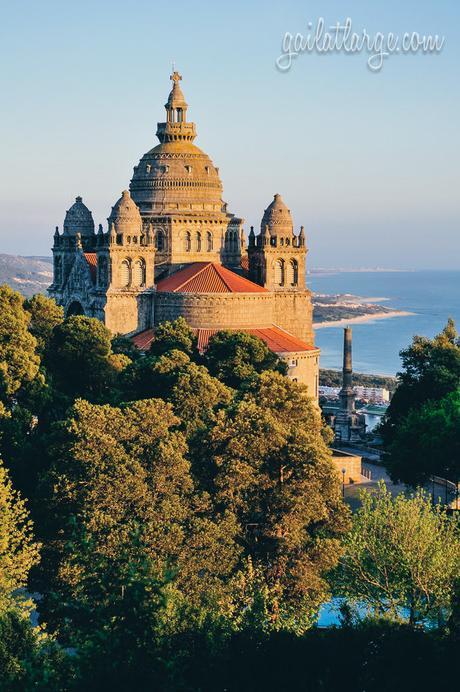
<point x="207" y="277"/>
<point x="91" y="258"/>
<point x="277" y="339"/>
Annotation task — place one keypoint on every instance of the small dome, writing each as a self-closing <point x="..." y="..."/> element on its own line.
<point x="176" y="98"/>
<point x="278" y="218"/>
<point x="125" y="215"/>
<point x="78" y="219"/>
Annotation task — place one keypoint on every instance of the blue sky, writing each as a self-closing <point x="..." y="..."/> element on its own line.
<point x="367" y="162"/>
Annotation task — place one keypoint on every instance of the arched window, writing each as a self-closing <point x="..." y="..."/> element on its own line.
<point x="198" y="242"/>
<point x="279" y="272"/>
<point x="188" y="242"/>
<point x="139" y="273"/>
<point x="125" y="273"/>
<point x="75" y="308"/>
<point x="159" y="240"/>
<point x="209" y="241"/>
<point x="293" y="273"/>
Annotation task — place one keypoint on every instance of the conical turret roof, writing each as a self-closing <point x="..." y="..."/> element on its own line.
<point x="277" y="217"/>
<point x="125" y="215"/>
<point x="78" y="219"/>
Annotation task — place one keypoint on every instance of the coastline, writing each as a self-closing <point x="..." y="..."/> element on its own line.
<point x="362" y="318"/>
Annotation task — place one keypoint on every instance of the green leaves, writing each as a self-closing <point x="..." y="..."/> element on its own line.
<point x="18" y="551"/>
<point x="19" y="361"/>
<point x="401" y="558"/>
<point x="272" y="469"/>
<point x="236" y="358"/>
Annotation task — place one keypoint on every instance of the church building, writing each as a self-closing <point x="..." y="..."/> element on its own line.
<point x="172" y="248"/>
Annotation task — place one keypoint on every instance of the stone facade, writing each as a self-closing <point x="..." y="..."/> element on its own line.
<point x="172" y="217"/>
<point x="348" y="466"/>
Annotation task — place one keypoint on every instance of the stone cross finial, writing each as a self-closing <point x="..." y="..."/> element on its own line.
<point x="175" y="77"/>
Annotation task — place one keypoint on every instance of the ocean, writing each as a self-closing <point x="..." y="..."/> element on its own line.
<point x="432" y="296"/>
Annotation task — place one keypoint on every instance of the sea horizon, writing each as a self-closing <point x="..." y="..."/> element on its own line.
<point x="431" y="296"/>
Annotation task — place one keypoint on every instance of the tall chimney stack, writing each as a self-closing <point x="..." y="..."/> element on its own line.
<point x="347" y="395"/>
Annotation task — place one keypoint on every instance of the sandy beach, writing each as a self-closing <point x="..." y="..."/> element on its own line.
<point x="362" y="318"/>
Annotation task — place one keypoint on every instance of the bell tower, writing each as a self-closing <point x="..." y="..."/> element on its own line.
<point x="277" y="256"/>
<point x="125" y="269"/>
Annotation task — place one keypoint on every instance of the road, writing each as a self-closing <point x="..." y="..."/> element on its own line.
<point x="379" y="473"/>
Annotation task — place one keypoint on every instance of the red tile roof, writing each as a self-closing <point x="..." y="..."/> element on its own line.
<point x="245" y="264"/>
<point x="277" y="339"/>
<point x="91" y="258"/>
<point x="207" y="277"/>
<point x="143" y="340"/>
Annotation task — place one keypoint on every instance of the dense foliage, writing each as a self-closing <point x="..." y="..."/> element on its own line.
<point x="188" y="520"/>
<point x="401" y="559"/>
<point x="421" y="420"/>
<point x="333" y="378"/>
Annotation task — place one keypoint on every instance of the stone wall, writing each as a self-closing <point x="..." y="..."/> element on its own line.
<point x="350" y="462"/>
<point x="129" y="312"/>
<point x="304" y="367"/>
<point x="292" y="311"/>
<point x="216" y="310"/>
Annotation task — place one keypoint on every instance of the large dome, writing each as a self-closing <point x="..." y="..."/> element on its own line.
<point x="78" y="219"/>
<point x="176" y="176"/>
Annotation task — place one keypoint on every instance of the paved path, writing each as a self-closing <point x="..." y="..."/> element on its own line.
<point x="380" y="473"/>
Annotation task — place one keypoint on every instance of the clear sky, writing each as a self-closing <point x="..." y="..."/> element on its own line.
<point x="367" y="162"/>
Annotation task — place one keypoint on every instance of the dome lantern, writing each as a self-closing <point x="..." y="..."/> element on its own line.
<point x="176" y="127"/>
<point x="176" y="106"/>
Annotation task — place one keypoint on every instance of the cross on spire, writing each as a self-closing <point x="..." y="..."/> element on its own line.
<point x="175" y="77"/>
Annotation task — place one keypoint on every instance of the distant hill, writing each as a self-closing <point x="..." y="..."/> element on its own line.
<point x="28" y="275"/>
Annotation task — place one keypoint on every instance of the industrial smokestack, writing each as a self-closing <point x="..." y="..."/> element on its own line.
<point x="347" y="395"/>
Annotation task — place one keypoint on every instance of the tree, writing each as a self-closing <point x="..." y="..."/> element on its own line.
<point x="29" y="659"/>
<point x="19" y="362"/>
<point x="193" y="392"/>
<point x="131" y="480"/>
<point x="123" y="345"/>
<point x="268" y="463"/>
<point x="18" y="551"/>
<point x="174" y="335"/>
<point x="45" y="314"/>
<point x="431" y="370"/>
<point x="237" y="358"/>
<point x="401" y="556"/>
<point x="80" y="359"/>
<point x="427" y="443"/>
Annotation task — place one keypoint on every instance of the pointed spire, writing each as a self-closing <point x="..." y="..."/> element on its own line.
<point x="112" y="233"/>
<point x="302" y="237"/>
